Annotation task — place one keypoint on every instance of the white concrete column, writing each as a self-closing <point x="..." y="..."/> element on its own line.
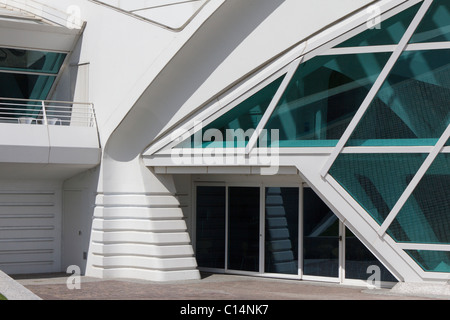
<point x="138" y="228"/>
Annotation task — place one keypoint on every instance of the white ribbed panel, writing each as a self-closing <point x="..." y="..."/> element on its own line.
<point x="29" y="232"/>
<point x="140" y="236"/>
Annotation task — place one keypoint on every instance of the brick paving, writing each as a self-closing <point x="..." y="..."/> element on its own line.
<point x="210" y="287"/>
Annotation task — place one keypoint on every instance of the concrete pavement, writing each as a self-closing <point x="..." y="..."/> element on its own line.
<point x="210" y="287"/>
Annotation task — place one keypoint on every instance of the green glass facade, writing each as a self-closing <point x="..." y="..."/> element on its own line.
<point x="431" y="261"/>
<point x="376" y="181"/>
<point x="29" y="60"/>
<point x="322" y="98"/>
<point x="411" y="109"/>
<point x="435" y="25"/>
<point x="235" y="127"/>
<point x="425" y="217"/>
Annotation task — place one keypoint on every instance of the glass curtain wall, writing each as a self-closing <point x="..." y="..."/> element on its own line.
<point x="411" y="109"/>
<point x="407" y="117"/>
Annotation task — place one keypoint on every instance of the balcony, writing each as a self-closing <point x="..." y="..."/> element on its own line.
<point x="39" y="134"/>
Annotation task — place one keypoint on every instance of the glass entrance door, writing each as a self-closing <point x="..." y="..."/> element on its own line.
<point x="243" y="229"/>
<point x="266" y="230"/>
<point x="321" y="234"/>
<point x="281" y="223"/>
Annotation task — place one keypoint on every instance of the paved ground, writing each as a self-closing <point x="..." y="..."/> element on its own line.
<point x="210" y="287"/>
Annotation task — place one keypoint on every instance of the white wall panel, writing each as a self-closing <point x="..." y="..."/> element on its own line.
<point x="30" y="227"/>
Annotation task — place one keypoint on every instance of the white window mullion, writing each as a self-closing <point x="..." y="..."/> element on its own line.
<point x="273" y="104"/>
<point x="424" y="246"/>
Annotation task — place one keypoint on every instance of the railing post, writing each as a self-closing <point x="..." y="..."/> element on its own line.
<point x="44" y="112"/>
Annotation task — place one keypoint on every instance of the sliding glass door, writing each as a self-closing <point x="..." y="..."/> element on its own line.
<point x="250" y="229"/>
<point x="321" y="234"/>
<point x="210" y="227"/>
<point x="281" y="230"/>
<point x="276" y="231"/>
<point x="243" y="228"/>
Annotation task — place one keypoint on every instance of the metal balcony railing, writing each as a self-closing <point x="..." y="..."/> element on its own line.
<point x="47" y="112"/>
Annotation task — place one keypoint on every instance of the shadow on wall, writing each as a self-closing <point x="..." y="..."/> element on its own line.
<point x="220" y="35"/>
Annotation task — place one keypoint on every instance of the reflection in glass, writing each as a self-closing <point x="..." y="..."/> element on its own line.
<point x="435" y="26"/>
<point x="281" y="230"/>
<point x="425" y="217"/>
<point x="376" y="181"/>
<point x="210" y="232"/>
<point x="29" y="60"/>
<point x="243" y="234"/>
<point x="22" y="86"/>
<point x="387" y="32"/>
<point x="320" y="237"/>
<point x="358" y="259"/>
<point x="412" y="107"/>
<point x="431" y="261"/>
<point x="323" y="97"/>
<point x="240" y="122"/>
<point x="25" y="86"/>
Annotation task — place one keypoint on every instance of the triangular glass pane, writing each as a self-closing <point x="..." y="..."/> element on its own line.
<point x="435" y="26"/>
<point x="425" y="216"/>
<point x="412" y="107"/>
<point x="234" y="127"/>
<point x="387" y="32"/>
<point x="322" y="98"/>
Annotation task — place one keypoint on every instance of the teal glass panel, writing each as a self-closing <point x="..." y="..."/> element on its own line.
<point x="323" y="97"/>
<point x="23" y="86"/>
<point x="234" y="128"/>
<point x="412" y="107"/>
<point x="431" y="261"/>
<point x="387" y="32"/>
<point x="435" y="26"/>
<point x="425" y="217"/>
<point x="376" y="181"/>
<point x="28" y="60"/>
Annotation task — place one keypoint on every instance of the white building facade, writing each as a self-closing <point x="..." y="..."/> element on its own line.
<point x="282" y="138"/>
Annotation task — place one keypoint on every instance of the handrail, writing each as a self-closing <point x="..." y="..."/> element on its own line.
<point x="47" y="112"/>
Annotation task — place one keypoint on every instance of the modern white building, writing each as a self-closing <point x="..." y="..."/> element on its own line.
<point x="155" y="139"/>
